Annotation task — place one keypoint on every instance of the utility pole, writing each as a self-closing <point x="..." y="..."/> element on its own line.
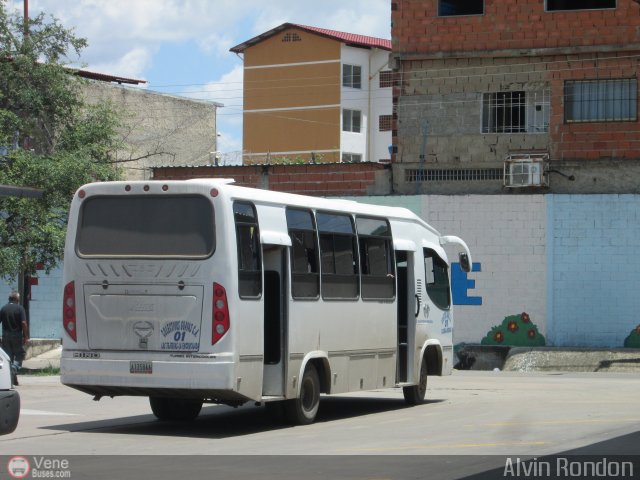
<point x="26" y="18"/>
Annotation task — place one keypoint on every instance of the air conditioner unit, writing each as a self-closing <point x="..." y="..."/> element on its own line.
<point x="525" y="171"/>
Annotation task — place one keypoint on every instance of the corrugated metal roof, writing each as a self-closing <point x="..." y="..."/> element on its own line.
<point x="108" y="78"/>
<point x="351" y="39"/>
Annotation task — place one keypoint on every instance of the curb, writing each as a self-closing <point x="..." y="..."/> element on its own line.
<point x="546" y="359"/>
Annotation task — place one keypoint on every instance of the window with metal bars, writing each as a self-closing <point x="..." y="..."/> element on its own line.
<point x="503" y="112"/>
<point x="516" y="111"/>
<point x="384" y="123"/>
<point x="612" y="100"/>
<point x="386" y="79"/>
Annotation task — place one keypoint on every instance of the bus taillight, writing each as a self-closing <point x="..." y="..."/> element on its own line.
<point x="69" y="310"/>
<point x="220" y="313"/>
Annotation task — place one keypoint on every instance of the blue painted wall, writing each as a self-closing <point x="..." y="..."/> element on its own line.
<point x="594" y="262"/>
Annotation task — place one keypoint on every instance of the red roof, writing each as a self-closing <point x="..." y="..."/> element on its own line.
<point x="350" y="39"/>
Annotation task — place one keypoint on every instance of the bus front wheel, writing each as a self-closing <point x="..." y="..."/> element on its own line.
<point x="176" y="409"/>
<point x="303" y="410"/>
<point x="414" y="395"/>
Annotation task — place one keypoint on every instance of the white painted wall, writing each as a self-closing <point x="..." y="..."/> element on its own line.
<point x="381" y="104"/>
<point x="507" y="236"/>
<point x="370" y="100"/>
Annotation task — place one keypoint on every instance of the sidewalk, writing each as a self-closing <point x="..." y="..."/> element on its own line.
<point x="46" y="360"/>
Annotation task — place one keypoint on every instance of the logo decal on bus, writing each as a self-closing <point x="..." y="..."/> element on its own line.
<point x="180" y="335"/>
<point x="143" y="330"/>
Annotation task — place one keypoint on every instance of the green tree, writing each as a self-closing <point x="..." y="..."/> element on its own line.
<point x="55" y="141"/>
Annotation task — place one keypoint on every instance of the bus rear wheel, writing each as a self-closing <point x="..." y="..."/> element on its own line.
<point x="303" y="410"/>
<point x="415" y="394"/>
<point x="175" y="409"/>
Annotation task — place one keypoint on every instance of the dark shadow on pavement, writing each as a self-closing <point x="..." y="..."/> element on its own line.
<point x="221" y="421"/>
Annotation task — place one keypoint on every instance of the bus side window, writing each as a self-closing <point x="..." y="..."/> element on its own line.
<point x="305" y="282"/>
<point x="339" y="254"/>
<point x="437" y="279"/>
<point x="248" y="244"/>
<point x="376" y="258"/>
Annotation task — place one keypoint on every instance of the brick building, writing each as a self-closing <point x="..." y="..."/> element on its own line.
<point x="551" y="83"/>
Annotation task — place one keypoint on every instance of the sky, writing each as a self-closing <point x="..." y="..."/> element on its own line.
<point x="181" y="47"/>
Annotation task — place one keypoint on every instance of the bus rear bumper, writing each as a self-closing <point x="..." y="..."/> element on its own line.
<point x="209" y="379"/>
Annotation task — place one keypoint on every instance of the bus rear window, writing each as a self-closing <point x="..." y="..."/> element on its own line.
<point x="150" y="226"/>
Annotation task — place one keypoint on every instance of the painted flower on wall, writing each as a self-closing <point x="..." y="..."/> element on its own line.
<point x="515" y="330"/>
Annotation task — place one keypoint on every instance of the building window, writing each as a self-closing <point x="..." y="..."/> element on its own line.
<point x="516" y="112"/>
<point x="248" y="240"/>
<point x="553" y="5"/>
<point x="450" y="8"/>
<point x="386" y="79"/>
<point x="351" y="120"/>
<point x="338" y="255"/>
<point x="601" y="100"/>
<point x="352" y="76"/>
<point x="351" y="158"/>
<point x="304" y="254"/>
<point x="376" y="258"/>
<point x="384" y="123"/>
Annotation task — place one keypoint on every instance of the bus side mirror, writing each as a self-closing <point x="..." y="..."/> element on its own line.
<point x="465" y="265"/>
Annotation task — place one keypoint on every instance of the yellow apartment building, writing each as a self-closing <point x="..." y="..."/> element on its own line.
<point x="316" y="95"/>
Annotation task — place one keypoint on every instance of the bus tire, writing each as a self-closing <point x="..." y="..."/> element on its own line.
<point x="175" y="409"/>
<point x="415" y="394"/>
<point x="303" y="410"/>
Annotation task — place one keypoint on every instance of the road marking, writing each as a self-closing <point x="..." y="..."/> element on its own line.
<point x="452" y="445"/>
<point x="26" y="411"/>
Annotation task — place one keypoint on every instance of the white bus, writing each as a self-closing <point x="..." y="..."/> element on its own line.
<point x="201" y="291"/>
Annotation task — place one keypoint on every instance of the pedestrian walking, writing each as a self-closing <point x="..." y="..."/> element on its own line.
<point x="15" y="331"/>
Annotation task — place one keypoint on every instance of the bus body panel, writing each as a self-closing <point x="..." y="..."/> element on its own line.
<point x="136" y="313"/>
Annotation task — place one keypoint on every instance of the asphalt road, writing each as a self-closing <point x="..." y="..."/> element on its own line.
<point x="471" y="423"/>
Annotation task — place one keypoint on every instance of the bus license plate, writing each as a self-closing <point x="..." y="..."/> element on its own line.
<point x="140" y="367"/>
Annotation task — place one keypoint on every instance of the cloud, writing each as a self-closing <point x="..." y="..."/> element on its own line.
<point x="226" y="90"/>
<point x="115" y="28"/>
<point x="132" y="64"/>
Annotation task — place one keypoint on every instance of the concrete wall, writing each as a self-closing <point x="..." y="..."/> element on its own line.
<point x="569" y="261"/>
<point x="159" y="130"/>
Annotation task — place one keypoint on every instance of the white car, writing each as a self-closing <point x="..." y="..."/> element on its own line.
<point x="9" y="397"/>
